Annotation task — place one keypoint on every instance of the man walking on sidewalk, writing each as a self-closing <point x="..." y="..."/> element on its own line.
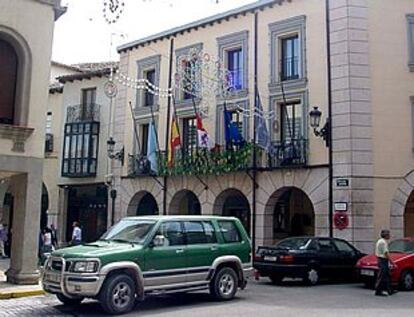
<point x="383" y="283"/>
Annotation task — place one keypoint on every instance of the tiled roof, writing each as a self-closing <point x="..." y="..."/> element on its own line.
<point x="89" y="70"/>
<point x="260" y="4"/>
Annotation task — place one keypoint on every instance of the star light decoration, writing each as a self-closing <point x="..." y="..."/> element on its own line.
<point x="113" y="9"/>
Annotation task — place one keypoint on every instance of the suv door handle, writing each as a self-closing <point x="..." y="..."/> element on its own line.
<point x="214" y="248"/>
<point x="179" y="251"/>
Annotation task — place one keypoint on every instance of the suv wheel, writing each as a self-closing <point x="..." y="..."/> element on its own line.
<point x="312" y="276"/>
<point x="407" y="281"/>
<point x="118" y="294"/>
<point x="224" y="284"/>
<point x="69" y="300"/>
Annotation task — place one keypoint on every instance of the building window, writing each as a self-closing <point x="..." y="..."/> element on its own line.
<point x="290" y="58"/>
<point x="188" y="71"/>
<point x="49" y="123"/>
<point x="189" y="80"/>
<point x="234" y="63"/>
<point x="233" y="52"/>
<point x="80" y="150"/>
<point x="149" y="69"/>
<point x="287" y="53"/>
<point x="189" y="135"/>
<point x="410" y="23"/>
<point x="8" y="80"/>
<point x="291" y="122"/>
<point x="149" y="96"/>
<point x="88" y="96"/>
<point x="237" y="118"/>
<point x="144" y="139"/>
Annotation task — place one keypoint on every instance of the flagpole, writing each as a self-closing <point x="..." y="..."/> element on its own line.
<point x="167" y="130"/>
<point x="254" y="178"/>
<point x="135" y="131"/>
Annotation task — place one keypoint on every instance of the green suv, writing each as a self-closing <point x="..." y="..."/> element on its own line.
<point x="142" y="256"/>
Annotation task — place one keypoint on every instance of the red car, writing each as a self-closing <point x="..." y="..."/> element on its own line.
<point x="402" y="275"/>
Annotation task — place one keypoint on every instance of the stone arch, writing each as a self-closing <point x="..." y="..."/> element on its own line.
<point x="185" y="202"/>
<point x="24" y="73"/>
<point x="290" y="212"/>
<point x="400" y="205"/>
<point x="232" y="202"/>
<point x="142" y="203"/>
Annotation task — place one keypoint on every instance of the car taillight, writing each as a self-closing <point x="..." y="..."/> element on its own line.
<point x="257" y="257"/>
<point x="287" y="258"/>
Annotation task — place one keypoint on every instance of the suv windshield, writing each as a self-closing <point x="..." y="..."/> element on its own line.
<point x="130" y="231"/>
<point x="401" y="246"/>
<point x="294" y="243"/>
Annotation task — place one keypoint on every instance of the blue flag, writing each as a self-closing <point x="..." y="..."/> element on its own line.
<point x="152" y="147"/>
<point x="231" y="130"/>
<point x="262" y="133"/>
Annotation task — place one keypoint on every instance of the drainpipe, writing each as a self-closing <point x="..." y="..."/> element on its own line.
<point x="330" y="145"/>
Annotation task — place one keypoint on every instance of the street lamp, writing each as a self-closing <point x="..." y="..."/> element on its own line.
<point x="111" y="151"/>
<point x="325" y="133"/>
<point x="315" y="119"/>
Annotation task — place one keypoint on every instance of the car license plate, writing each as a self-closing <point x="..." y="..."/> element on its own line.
<point x="53" y="277"/>
<point x="270" y="258"/>
<point x="367" y="272"/>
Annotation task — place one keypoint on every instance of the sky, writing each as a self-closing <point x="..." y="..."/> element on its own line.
<point x="83" y="35"/>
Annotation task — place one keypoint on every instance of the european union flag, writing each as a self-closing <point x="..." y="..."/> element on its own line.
<point x="152" y="147"/>
<point x="231" y="130"/>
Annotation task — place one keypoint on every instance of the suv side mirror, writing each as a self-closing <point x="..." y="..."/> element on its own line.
<point x="158" y="241"/>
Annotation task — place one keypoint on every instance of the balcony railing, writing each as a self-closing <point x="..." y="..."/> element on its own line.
<point x="288" y="153"/>
<point x="221" y="161"/>
<point x="139" y="165"/>
<point x="83" y="113"/>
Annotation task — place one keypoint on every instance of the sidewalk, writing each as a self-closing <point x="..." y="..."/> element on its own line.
<point x="8" y="291"/>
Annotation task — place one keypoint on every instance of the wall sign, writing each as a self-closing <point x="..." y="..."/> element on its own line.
<point x="342" y="182"/>
<point x="341" y="206"/>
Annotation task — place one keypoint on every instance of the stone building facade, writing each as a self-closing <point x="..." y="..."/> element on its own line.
<point x="25" y="53"/>
<point x="371" y="47"/>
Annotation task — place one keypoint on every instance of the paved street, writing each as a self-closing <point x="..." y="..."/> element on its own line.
<point x="259" y="299"/>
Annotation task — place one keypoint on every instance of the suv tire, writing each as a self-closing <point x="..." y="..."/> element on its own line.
<point x="224" y="284"/>
<point x="69" y="300"/>
<point x="117" y="295"/>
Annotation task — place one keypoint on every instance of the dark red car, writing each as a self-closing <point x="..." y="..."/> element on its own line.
<point x="402" y="275"/>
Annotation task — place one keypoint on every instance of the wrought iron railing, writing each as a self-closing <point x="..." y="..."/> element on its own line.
<point x="288" y="153"/>
<point x="83" y="113"/>
<point x="139" y="165"/>
<point x="220" y="160"/>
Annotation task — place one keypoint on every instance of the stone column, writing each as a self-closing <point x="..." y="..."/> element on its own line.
<point x="27" y="191"/>
<point x="352" y="117"/>
<point x="62" y="215"/>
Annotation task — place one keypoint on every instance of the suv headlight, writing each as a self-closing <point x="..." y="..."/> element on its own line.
<point x="85" y="266"/>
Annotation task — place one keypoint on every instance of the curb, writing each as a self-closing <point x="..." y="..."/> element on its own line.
<point x="21" y="294"/>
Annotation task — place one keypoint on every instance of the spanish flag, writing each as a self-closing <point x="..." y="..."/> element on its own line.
<point x="175" y="141"/>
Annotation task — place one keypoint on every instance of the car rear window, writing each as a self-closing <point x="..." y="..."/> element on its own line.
<point x="294" y="243"/>
<point x="229" y="231"/>
<point x="401" y="246"/>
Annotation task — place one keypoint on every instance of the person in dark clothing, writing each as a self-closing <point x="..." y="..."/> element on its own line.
<point x="53" y="231"/>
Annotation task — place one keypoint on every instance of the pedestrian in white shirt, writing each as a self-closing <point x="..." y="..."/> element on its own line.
<point x="76" y="234"/>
